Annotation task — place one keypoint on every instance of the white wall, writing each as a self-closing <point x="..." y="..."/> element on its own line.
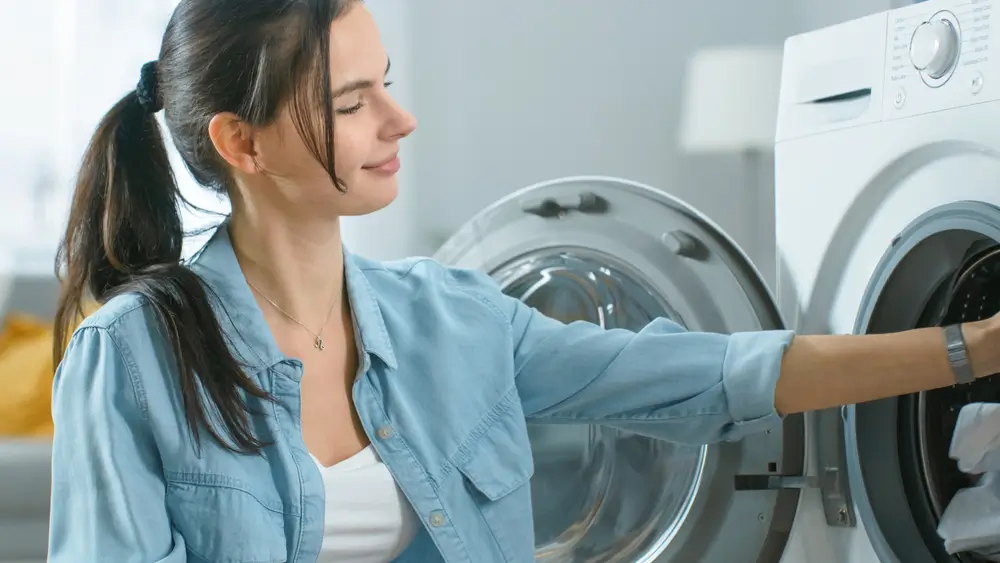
<point x="516" y="92"/>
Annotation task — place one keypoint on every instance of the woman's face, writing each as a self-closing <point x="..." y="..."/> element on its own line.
<point x="368" y="125"/>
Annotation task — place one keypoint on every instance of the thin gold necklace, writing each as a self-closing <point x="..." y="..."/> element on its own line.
<point x="318" y="343"/>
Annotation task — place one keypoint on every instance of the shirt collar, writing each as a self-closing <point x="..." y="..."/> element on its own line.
<point x="368" y="319"/>
<point x="243" y="322"/>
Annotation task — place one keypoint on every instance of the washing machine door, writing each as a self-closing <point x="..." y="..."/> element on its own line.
<point x="620" y="254"/>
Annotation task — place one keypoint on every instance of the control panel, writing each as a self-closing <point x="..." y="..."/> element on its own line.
<point x="938" y="57"/>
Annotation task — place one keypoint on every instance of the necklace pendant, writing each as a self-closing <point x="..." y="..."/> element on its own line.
<point x="319" y="343"/>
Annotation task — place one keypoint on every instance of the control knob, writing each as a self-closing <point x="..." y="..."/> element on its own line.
<point x="934" y="48"/>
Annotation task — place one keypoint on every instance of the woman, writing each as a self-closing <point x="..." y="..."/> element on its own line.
<point x="199" y="411"/>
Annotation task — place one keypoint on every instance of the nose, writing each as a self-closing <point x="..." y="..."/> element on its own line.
<point x="403" y="123"/>
<point x="400" y="123"/>
<point x="407" y="123"/>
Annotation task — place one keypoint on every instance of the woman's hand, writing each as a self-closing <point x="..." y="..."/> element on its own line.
<point x="982" y="339"/>
<point x="826" y="371"/>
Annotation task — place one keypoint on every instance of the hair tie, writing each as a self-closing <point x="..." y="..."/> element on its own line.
<point x="148" y="89"/>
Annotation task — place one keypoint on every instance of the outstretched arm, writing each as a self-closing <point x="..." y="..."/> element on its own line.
<point x="696" y="387"/>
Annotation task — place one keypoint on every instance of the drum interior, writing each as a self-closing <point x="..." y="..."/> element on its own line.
<point x="927" y="420"/>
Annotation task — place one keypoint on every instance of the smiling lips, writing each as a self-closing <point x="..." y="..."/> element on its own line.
<point x="387" y="167"/>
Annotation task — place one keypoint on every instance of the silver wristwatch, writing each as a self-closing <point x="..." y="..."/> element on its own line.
<point x="958" y="355"/>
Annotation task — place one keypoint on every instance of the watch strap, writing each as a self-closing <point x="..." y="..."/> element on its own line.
<point x="958" y="354"/>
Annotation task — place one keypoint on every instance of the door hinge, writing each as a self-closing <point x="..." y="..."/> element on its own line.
<point x="831" y="479"/>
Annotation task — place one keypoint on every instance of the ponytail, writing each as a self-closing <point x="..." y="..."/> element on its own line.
<point x="125" y="235"/>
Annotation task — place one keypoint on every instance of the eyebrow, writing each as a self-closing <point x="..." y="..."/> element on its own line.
<point x="358" y="84"/>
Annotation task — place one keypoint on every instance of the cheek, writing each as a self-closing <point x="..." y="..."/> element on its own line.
<point x="350" y="153"/>
<point x="284" y="154"/>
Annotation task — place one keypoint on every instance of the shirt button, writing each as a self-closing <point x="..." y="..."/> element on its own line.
<point x="384" y="433"/>
<point x="437" y="519"/>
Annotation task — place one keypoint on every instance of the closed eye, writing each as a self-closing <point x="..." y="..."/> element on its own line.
<point x="360" y="85"/>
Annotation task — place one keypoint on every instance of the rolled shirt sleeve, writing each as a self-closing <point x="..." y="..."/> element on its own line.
<point x="661" y="381"/>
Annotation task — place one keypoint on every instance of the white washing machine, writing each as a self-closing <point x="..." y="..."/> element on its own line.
<point x="887" y="218"/>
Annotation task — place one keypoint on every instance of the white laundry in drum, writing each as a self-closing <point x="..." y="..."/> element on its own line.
<point x="971" y="522"/>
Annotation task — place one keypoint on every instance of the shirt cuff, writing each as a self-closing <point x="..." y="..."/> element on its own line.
<point x="750" y="375"/>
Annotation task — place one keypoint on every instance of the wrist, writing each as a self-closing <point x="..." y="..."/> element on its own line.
<point x="982" y="342"/>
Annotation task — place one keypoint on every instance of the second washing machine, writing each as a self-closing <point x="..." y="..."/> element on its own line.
<point x="888" y="218"/>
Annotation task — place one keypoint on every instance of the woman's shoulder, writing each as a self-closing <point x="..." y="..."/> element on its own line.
<point x="124" y="336"/>
<point x="415" y="268"/>
<point x="432" y="284"/>
<point x="129" y="317"/>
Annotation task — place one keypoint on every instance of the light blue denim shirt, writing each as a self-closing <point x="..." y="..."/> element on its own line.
<point x="451" y="368"/>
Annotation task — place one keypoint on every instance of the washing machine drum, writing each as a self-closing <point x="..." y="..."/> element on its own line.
<point x="973" y="293"/>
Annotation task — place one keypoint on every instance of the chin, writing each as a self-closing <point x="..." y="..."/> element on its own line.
<point x="369" y="198"/>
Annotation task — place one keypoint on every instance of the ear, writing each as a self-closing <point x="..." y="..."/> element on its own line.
<point x="233" y="140"/>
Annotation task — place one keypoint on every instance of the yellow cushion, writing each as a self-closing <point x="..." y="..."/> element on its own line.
<point x="26" y="374"/>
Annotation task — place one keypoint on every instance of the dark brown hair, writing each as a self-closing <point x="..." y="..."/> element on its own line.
<point x="125" y="233"/>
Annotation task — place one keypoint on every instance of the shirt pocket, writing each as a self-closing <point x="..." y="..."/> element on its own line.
<point x="222" y="521"/>
<point x="497" y="465"/>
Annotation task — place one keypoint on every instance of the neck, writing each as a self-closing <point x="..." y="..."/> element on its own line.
<point x="298" y="265"/>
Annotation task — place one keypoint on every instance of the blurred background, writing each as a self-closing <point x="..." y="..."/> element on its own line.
<point x="507" y="94"/>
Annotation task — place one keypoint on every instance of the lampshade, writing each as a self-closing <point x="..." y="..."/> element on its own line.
<point x="730" y="101"/>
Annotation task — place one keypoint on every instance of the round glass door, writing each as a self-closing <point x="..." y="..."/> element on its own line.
<point x="600" y="494"/>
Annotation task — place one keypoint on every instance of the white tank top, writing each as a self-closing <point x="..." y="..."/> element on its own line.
<point x="368" y="520"/>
